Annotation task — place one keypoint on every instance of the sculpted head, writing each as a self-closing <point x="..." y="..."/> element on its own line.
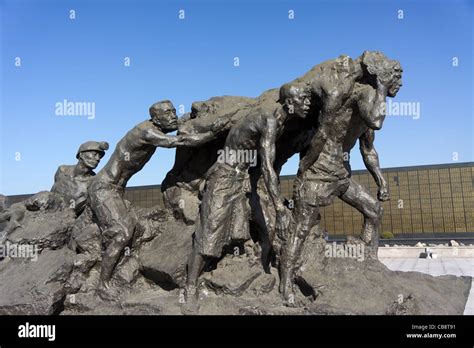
<point x="163" y="115"/>
<point x="91" y="152"/>
<point x="388" y="71"/>
<point x="295" y="98"/>
<point x="396" y="79"/>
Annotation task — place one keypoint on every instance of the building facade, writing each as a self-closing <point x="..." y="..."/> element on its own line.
<point x="424" y="199"/>
<point x="428" y="199"/>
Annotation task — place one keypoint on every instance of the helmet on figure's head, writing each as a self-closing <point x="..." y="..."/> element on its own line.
<point x="99" y="146"/>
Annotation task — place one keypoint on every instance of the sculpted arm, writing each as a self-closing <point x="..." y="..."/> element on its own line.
<point x="160" y="139"/>
<point x="372" y="107"/>
<point x="371" y="161"/>
<point x="207" y="134"/>
<point x="267" y="154"/>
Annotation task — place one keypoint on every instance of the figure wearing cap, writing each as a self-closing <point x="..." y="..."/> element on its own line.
<point x="69" y="189"/>
<point x="71" y="181"/>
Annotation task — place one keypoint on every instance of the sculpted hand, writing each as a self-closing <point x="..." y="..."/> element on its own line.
<point x="383" y="194"/>
<point x="184" y="129"/>
<point x="282" y="222"/>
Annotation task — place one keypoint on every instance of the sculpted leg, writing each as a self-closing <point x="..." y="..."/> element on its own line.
<point x="122" y="236"/>
<point x="196" y="264"/>
<point x="117" y="226"/>
<point x="361" y="199"/>
<point x="197" y="261"/>
<point x="305" y="217"/>
<point x="263" y="216"/>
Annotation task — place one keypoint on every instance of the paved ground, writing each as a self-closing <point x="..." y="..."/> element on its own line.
<point x="436" y="267"/>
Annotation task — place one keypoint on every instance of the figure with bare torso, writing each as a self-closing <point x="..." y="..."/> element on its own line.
<point x="323" y="173"/>
<point x="222" y="214"/>
<point x="111" y="212"/>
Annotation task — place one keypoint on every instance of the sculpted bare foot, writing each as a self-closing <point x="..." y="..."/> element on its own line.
<point x="372" y="252"/>
<point x="287" y="289"/>
<point x="294" y="299"/>
<point x="355" y="240"/>
<point x="104" y="292"/>
<point x="191" y="304"/>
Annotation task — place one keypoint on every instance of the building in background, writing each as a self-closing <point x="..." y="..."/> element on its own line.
<point x="427" y="200"/>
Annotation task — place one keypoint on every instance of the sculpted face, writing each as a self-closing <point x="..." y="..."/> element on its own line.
<point x="298" y="101"/>
<point x="301" y="103"/>
<point x="90" y="159"/>
<point x="164" y="115"/>
<point x="388" y="71"/>
<point x="393" y="86"/>
<point x="396" y="83"/>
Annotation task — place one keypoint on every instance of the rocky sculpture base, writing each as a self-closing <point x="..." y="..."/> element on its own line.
<point x="148" y="278"/>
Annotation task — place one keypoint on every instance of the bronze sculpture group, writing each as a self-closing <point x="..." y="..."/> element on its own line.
<point x="320" y="115"/>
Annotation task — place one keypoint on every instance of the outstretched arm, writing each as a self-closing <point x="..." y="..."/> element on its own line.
<point x="154" y="136"/>
<point x="196" y="139"/>
<point x="159" y="139"/>
<point x="371" y="161"/>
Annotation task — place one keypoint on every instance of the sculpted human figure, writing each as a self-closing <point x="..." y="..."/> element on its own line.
<point x="69" y="189"/>
<point x="111" y="212"/>
<point x="331" y="84"/>
<point x="71" y="181"/>
<point x="324" y="173"/>
<point x="223" y="216"/>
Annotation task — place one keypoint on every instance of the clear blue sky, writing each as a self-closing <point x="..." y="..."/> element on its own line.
<point x="192" y="59"/>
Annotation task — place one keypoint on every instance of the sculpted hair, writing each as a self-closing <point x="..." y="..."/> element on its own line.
<point x="289" y="90"/>
<point x="376" y="63"/>
<point x="157" y="106"/>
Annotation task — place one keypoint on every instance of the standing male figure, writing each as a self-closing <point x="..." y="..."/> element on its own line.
<point x="133" y="151"/>
<point x="323" y="173"/>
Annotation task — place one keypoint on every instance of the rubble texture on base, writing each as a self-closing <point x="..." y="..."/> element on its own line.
<point x="148" y="279"/>
<point x="35" y="287"/>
